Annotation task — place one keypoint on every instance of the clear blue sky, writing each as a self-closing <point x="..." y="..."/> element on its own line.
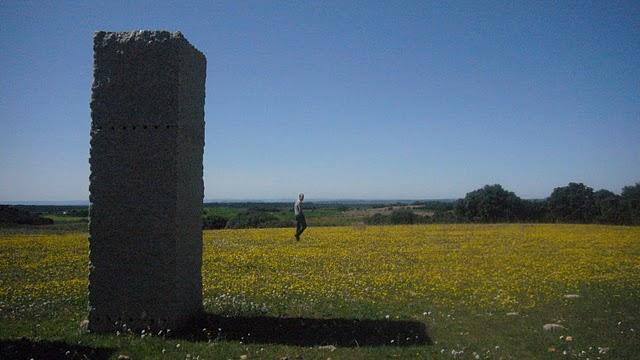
<point x="344" y="99"/>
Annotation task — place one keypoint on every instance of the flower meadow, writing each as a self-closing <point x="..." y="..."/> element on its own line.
<point x="483" y="267"/>
<point x="482" y="291"/>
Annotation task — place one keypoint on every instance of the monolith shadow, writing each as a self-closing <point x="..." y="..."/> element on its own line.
<point x="341" y="332"/>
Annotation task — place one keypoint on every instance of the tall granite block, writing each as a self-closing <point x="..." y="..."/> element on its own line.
<point x="147" y="142"/>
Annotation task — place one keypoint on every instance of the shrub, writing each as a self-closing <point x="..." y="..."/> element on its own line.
<point x="397" y="217"/>
<point x="253" y="218"/>
<point x="376" y="219"/>
<point x="214" y="222"/>
<point x="403" y="216"/>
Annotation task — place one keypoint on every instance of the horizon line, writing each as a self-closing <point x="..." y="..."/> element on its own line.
<point x="247" y="200"/>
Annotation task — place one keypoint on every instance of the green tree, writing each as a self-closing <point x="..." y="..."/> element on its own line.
<point x="608" y="207"/>
<point x="630" y="199"/>
<point x="491" y="203"/>
<point x="534" y="211"/>
<point x="574" y="203"/>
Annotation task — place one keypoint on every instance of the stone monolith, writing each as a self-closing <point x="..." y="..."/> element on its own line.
<point x="146" y="188"/>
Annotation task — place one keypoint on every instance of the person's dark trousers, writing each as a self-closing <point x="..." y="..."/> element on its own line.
<point x="301" y="224"/>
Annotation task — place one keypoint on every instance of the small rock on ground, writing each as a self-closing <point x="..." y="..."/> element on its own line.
<point x="327" y="347"/>
<point x="550" y="327"/>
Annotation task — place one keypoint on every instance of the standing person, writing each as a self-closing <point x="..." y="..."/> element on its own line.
<point x="301" y="222"/>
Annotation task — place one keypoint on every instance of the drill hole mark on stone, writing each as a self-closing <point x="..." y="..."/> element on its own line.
<point x="134" y="127"/>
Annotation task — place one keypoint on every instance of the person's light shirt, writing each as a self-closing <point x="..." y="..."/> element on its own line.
<point x="297" y="207"/>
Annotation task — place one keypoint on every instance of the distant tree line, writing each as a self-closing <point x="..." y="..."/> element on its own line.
<point x="435" y="205"/>
<point x="406" y="216"/>
<point x="59" y="210"/>
<point x="10" y="215"/>
<point x="261" y="217"/>
<point x="574" y="203"/>
<point x="256" y="218"/>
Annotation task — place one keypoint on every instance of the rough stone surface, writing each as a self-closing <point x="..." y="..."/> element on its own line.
<point x="147" y="142"/>
<point x="551" y="327"/>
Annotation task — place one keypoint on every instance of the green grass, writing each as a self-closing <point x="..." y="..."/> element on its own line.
<point x="493" y="335"/>
<point x="260" y="273"/>
<point x="55" y="228"/>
